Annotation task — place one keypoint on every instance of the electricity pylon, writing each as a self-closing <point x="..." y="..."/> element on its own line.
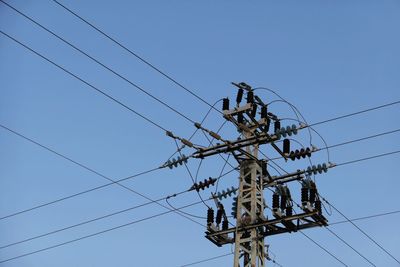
<point x="252" y="226"/>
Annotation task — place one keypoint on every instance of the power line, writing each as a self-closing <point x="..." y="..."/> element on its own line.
<point x="344" y="242"/>
<point x="221" y="256"/>
<point x="362" y="139"/>
<point x="84" y="81"/>
<point x="350" y="162"/>
<point x="97" y="61"/>
<point x="89" y="190"/>
<point x="147" y="218"/>
<point x="147" y="203"/>
<point x="97" y="233"/>
<point x="81" y="165"/>
<point x="350" y="246"/>
<point x="324" y="249"/>
<point x="90" y="221"/>
<point x="356" y="113"/>
<point x="104" y="216"/>
<point x="205" y="260"/>
<point x="367" y="217"/>
<point x="135" y="55"/>
<point x="362" y="231"/>
<point x="368" y="158"/>
<point x="350" y="141"/>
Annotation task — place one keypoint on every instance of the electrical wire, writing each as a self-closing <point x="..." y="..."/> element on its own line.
<point x="350" y="246"/>
<point x="193" y="215"/>
<point x="206" y="260"/>
<point x="98" y="62"/>
<point x="367" y="217"/>
<point x="96" y="233"/>
<point x="135" y="55"/>
<point x="361" y="230"/>
<point x="105" y="216"/>
<point x="198" y="202"/>
<point x="89" y="190"/>
<point x="350" y="141"/>
<point x="91" y="220"/>
<point x="293" y="107"/>
<point x="190" y="174"/>
<point x="316" y="243"/>
<point x="222" y="256"/>
<point x="84" y="81"/>
<point x="324" y="249"/>
<point x="78" y="164"/>
<point x="356" y="113"/>
<point x="367" y="158"/>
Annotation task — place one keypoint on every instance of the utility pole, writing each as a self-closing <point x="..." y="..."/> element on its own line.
<point x="249" y="207"/>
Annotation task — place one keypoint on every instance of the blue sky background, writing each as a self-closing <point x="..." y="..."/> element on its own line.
<point x="327" y="57"/>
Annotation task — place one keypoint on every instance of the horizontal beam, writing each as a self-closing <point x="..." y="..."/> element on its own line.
<point x="264" y="223"/>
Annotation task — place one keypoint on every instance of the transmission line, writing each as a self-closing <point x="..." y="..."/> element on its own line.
<point x="206" y="260"/>
<point x="367" y="217"/>
<point x="105" y="216"/>
<point x="324" y="249"/>
<point x="350" y="246"/>
<point x="84" y="81"/>
<point x="195" y="203"/>
<point x="83" y="166"/>
<point x="135" y="55"/>
<point x="368" y="158"/>
<point x="98" y="233"/>
<point x="97" y="61"/>
<point x="356" y="113"/>
<point x="362" y="231"/>
<point x="221" y="256"/>
<point x="89" y="190"/>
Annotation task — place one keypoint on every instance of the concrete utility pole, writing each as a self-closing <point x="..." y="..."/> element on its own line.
<point x="252" y="225"/>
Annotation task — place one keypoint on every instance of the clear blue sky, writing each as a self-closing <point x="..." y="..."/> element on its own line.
<point x="327" y="57"/>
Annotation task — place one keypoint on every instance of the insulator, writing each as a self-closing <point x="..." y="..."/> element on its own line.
<point x="289" y="211"/>
<point x="297" y="154"/>
<point x="210" y="216"/>
<point x="318" y="206"/>
<point x="225" y="225"/>
<point x="304" y="194"/>
<point x="215" y="135"/>
<point x="250" y="97"/>
<point x="225" y="104"/>
<point x="239" y="96"/>
<point x="187" y="142"/>
<point x="292" y="155"/>
<point x="283" y="202"/>
<point x="240" y="118"/>
<point x="268" y="124"/>
<point x="264" y="168"/>
<point x="254" y="111"/>
<point x="294" y="129"/>
<point x="264" y="112"/>
<point x="170" y="134"/>
<point x="199" y="186"/>
<point x="234" y="207"/>
<point x="275" y="201"/>
<point x="223" y="194"/>
<point x="286" y="146"/>
<point x="302" y="153"/>
<point x="288" y="130"/>
<point x="308" y="152"/>
<point x="320" y="168"/>
<point x="277" y="126"/>
<point x="218" y="219"/>
<point x="313" y="194"/>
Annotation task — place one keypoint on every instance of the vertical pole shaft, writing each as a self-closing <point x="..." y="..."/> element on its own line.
<point x="249" y="244"/>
